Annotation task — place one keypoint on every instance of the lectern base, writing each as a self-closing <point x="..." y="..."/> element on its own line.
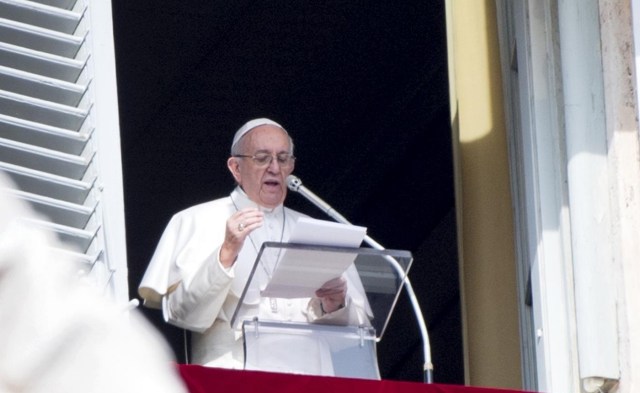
<point x="311" y="349"/>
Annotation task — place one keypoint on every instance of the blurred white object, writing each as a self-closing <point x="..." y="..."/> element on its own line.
<point x="58" y="334"/>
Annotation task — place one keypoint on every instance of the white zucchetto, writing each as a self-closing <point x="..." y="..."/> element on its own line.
<point x="250" y="125"/>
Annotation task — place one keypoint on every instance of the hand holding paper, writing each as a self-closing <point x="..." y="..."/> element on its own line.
<point x="332" y="294"/>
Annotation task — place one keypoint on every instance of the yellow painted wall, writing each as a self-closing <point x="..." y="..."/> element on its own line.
<point x="486" y="240"/>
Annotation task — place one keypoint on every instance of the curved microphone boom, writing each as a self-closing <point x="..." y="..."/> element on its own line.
<point x="295" y="184"/>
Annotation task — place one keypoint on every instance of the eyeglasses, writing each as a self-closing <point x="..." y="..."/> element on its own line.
<point x="285" y="160"/>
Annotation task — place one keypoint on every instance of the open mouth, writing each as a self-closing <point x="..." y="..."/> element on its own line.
<point x="272" y="183"/>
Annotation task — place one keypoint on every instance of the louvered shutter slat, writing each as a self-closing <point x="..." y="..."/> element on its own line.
<point x="40" y="15"/>
<point x="41" y="63"/>
<point x="39" y="39"/>
<point x="72" y="239"/>
<point x="62" y="4"/>
<point x="45" y="160"/>
<point x="46" y="184"/>
<point x="37" y="134"/>
<point x="44" y="88"/>
<point x="59" y="212"/>
<point x="41" y="111"/>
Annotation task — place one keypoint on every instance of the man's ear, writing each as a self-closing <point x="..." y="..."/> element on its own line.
<point x="234" y="167"/>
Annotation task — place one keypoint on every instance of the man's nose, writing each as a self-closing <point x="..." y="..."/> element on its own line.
<point x="274" y="165"/>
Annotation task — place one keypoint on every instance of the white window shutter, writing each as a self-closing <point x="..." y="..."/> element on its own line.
<point x="59" y="133"/>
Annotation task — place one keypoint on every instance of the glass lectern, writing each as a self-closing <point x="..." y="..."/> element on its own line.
<point x="279" y="337"/>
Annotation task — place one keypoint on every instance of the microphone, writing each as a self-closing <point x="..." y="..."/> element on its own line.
<point x="295" y="184"/>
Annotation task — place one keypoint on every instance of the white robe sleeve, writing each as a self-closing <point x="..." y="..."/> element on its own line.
<point x="195" y="305"/>
<point x="162" y="274"/>
<point x="184" y="277"/>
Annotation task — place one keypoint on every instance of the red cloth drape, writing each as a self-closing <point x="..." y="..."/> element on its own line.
<point x="208" y="380"/>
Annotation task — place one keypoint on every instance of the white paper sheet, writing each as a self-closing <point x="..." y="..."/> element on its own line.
<point x="299" y="273"/>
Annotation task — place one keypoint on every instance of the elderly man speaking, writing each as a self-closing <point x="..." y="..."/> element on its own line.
<point x="204" y="258"/>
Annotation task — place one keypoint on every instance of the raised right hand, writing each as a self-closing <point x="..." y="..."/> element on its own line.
<point x="238" y="227"/>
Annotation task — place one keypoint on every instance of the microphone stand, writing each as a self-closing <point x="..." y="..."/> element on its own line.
<point x="295" y="184"/>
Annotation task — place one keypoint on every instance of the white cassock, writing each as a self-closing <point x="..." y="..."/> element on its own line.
<point x="185" y="279"/>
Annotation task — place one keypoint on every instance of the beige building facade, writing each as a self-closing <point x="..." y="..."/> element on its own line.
<point x="545" y="120"/>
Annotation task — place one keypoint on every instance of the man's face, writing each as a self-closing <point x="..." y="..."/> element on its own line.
<point x="265" y="185"/>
